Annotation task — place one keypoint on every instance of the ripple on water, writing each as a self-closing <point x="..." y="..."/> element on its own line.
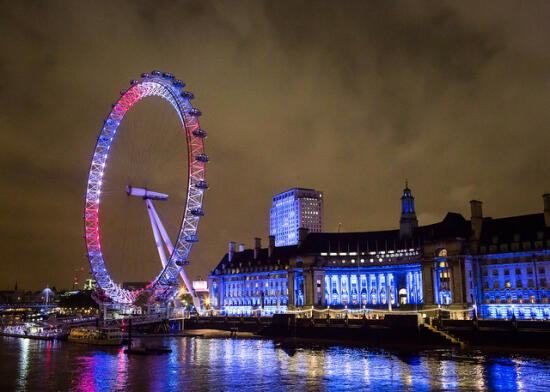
<point x="253" y="364"/>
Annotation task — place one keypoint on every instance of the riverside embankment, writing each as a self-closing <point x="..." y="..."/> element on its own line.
<point x="392" y="329"/>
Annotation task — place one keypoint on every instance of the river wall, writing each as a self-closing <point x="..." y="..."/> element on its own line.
<point x="406" y="329"/>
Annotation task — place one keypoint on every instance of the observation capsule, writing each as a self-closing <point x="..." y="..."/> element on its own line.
<point x="168" y="76"/>
<point x="122" y="92"/>
<point x="194" y="112"/>
<point x="187" y="95"/>
<point x="145" y="75"/>
<point x="197" y="212"/>
<point x="178" y="84"/>
<point x="132" y="82"/>
<point x="201" y="184"/>
<point x="181" y="263"/>
<point x="191" y="238"/>
<point x="156" y="73"/>
<point x="201" y="158"/>
<point x="199" y="133"/>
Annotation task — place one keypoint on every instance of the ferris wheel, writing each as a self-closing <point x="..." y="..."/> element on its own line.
<point x="173" y="256"/>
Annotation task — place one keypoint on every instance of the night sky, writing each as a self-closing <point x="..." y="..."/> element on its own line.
<point x="345" y="97"/>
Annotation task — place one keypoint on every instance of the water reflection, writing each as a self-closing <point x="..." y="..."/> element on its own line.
<point x="251" y="365"/>
<point x="24" y="346"/>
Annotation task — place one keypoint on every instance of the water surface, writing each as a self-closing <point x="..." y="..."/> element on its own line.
<point x="200" y="364"/>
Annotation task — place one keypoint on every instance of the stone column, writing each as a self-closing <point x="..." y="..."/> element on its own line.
<point x="291" y="287"/>
<point x="457" y="280"/>
<point x="378" y="297"/>
<point x="308" y="287"/>
<point x="428" y="282"/>
<point x="319" y="297"/>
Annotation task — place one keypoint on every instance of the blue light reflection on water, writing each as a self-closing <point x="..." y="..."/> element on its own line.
<point x="252" y="365"/>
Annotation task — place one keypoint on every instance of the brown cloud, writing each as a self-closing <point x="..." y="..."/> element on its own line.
<point x="349" y="98"/>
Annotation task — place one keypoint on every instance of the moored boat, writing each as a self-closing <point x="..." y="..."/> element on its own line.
<point x="104" y="337"/>
<point x="39" y="333"/>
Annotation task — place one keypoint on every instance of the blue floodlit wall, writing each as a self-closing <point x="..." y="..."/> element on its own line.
<point x="370" y="286"/>
<point x="515" y="288"/>
<point x="243" y="294"/>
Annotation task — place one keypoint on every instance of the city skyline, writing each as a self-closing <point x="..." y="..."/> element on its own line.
<point x="458" y="107"/>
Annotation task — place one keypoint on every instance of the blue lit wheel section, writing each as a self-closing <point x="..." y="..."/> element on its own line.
<point x="165" y="285"/>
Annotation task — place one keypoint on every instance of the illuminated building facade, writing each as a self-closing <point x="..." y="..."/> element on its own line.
<point x="252" y="279"/>
<point x="509" y="269"/>
<point x="294" y="209"/>
<point x="493" y="267"/>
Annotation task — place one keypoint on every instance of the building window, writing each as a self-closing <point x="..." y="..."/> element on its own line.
<point x="507" y="284"/>
<point x="530" y="283"/>
<point x="543" y="282"/>
<point x="520" y="299"/>
<point x="529" y="271"/>
<point x="495" y="272"/>
<point x="497" y="299"/>
<point x="519" y="283"/>
<point x="496" y="285"/>
<point x="518" y="271"/>
<point x="485" y="273"/>
<point x="544" y="299"/>
<point x="532" y="299"/>
<point x="506" y="272"/>
<point x="541" y="270"/>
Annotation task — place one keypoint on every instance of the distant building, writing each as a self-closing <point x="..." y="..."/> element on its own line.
<point x="294" y="209"/>
<point x="90" y="284"/>
<point x="498" y="268"/>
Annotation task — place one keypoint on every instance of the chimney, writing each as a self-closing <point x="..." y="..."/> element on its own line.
<point x="241" y="247"/>
<point x="231" y="250"/>
<point x="271" y="247"/>
<point x="477" y="219"/>
<point x="546" y="198"/>
<point x="302" y="234"/>
<point x="257" y="247"/>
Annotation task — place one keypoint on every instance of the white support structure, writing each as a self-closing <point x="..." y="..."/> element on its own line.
<point x="146" y="194"/>
<point x="154" y="226"/>
<point x="161" y="235"/>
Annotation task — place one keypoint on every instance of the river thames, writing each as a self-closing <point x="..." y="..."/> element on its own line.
<point x="219" y="364"/>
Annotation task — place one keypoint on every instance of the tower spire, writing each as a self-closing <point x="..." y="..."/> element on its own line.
<point x="408" y="221"/>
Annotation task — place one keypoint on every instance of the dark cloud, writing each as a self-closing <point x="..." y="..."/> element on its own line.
<point x="348" y="97"/>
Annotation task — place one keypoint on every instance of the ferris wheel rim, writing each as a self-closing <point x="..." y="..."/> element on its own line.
<point x="165" y="86"/>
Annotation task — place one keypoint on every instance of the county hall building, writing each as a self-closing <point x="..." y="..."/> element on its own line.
<point x="498" y="266"/>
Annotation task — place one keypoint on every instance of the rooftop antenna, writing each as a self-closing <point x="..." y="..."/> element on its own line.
<point x="339" y="226"/>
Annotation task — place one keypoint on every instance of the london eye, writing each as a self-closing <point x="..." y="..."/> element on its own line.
<point x="173" y="256"/>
